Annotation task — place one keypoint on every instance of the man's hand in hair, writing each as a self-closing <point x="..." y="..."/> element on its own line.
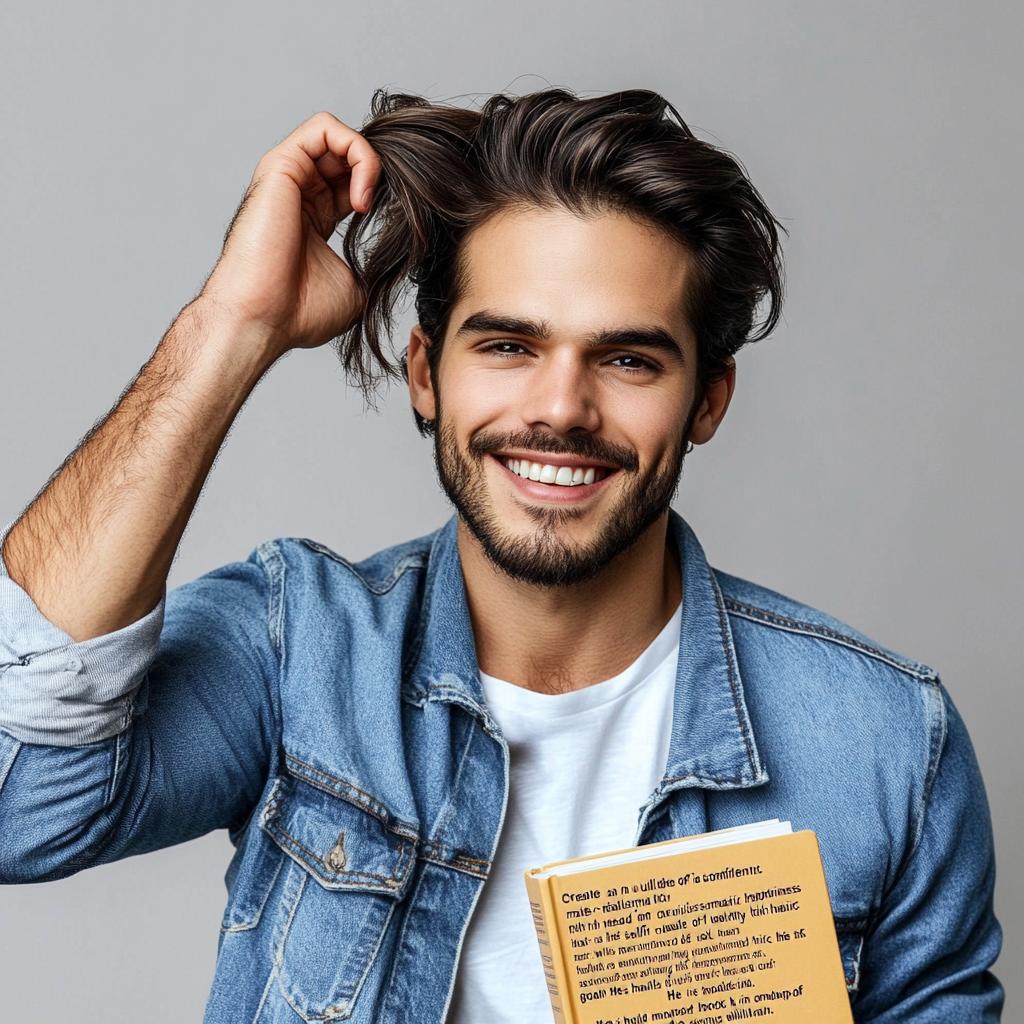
<point x="276" y="270"/>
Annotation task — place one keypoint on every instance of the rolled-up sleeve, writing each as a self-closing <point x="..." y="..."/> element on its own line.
<point x="59" y="693"/>
<point x="146" y="737"/>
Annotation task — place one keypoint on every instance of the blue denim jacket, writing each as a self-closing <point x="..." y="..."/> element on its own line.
<point x="330" y="715"/>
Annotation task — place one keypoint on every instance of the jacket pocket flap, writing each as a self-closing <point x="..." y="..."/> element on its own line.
<point x="342" y="845"/>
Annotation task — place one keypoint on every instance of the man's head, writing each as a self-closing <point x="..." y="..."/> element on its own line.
<point x="585" y="271"/>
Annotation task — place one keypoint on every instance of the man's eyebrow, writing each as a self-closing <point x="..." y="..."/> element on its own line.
<point x="487" y="322"/>
<point x="656" y="338"/>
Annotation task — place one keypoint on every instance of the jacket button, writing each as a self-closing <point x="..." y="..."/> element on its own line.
<point x="335" y="859"/>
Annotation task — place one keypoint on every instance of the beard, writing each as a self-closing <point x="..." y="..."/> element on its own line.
<point x="546" y="557"/>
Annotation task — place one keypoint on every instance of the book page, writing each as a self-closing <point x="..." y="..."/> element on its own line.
<point x="733" y="933"/>
<point x="723" y="837"/>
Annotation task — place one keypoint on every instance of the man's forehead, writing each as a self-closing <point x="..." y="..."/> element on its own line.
<point x="558" y="270"/>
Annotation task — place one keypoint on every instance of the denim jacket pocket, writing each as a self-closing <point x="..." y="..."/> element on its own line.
<point x="250" y="878"/>
<point x="347" y="873"/>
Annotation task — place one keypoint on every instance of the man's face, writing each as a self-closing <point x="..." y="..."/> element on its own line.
<point x="564" y="389"/>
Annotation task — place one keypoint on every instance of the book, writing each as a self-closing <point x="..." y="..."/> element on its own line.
<point x="732" y="925"/>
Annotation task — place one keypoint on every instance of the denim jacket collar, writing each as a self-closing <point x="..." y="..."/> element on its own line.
<point x="444" y="659"/>
<point x="712" y="746"/>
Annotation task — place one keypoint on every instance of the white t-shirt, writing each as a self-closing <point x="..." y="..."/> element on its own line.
<point x="582" y="765"/>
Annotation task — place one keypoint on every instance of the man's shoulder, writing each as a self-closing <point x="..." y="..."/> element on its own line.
<point x="310" y="566"/>
<point x="757" y="612"/>
<point x="844" y="722"/>
<point x="376" y="575"/>
<point x="309" y="578"/>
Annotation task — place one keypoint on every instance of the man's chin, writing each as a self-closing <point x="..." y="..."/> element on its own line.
<point x="540" y="558"/>
<point x="546" y="551"/>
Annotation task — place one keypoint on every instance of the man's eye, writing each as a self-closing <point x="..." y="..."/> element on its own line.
<point x="631" y="363"/>
<point x="507" y="348"/>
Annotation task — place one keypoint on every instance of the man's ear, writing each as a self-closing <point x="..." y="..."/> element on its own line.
<point x="713" y="406"/>
<point x="417" y="368"/>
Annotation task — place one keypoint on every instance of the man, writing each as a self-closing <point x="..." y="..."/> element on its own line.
<point x="556" y="672"/>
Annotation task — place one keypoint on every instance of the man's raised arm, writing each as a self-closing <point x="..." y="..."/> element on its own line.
<point x="94" y="549"/>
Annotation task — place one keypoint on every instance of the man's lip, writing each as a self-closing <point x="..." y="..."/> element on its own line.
<point x="552" y="459"/>
<point x="534" y="491"/>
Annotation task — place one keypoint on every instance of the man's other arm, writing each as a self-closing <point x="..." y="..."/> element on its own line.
<point x="926" y="959"/>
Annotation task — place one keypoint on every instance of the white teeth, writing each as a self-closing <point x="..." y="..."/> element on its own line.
<point x="563" y="476"/>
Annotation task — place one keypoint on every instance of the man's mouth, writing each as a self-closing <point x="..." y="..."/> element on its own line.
<point x="560" y="476"/>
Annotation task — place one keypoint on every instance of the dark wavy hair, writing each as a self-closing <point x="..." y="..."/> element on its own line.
<point x="446" y="169"/>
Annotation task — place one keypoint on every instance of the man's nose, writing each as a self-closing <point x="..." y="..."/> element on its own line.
<point x="560" y="395"/>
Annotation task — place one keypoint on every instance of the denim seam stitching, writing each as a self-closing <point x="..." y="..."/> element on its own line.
<point x="249" y="926"/>
<point x="774" y="620"/>
<point x="338" y="786"/>
<point x="455" y="865"/>
<point x="112" y="787"/>
<point x="279" y="952"/>
<point x="706" y="778"/>
<point x="936" y="745"/>
<point x="353" y="794"/>
<point x="851" y="925"/>
<point x="447" y="856"/>
<point x="443" y="848"/>
<point x="853" y="980"/>
<point x="416" y="647"/>
<point x="388" y="985"/>
<point x="453" y="695"/>
<point x="274" y="567"/>
<point x="723" y="621"/>
<point x="448" y="810"/>
<point x="271" y="978"/>
<point x="377" y="587"/>
<point x="8" y="762"/>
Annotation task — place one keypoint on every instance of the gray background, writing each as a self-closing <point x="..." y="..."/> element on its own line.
<point x="871" y="461"/>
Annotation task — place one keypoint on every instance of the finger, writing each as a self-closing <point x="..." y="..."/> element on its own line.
<point x="323" y="134"/>
<point x="336" y="177"/>
<point x="332" y="168"/>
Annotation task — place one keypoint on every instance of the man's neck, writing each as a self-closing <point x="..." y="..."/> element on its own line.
<point x="556" y="639"/>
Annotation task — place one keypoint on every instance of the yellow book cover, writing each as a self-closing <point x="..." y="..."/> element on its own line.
<point x="730" y="926"/>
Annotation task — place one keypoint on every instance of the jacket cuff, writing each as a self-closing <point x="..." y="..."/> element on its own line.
<point x="59" y="693"/>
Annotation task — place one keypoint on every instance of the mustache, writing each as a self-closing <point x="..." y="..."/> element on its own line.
<point x="585" y="446"/>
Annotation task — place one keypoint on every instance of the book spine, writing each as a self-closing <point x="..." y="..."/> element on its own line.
<point x="539" y="892"/>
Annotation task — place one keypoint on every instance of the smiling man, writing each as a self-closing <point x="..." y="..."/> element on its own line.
<point x="556" y="672"/>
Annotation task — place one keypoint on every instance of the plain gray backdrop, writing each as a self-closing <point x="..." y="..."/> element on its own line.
<point x="870" y="464"/>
